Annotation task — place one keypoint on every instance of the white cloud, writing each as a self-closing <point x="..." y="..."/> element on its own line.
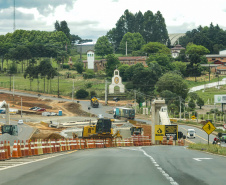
<point x="91" y="19"/>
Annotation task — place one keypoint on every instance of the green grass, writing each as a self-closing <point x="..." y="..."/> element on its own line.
<point x="209" y="93"/>
<point x="203" y="80"/>
<point x="215" y="149"/>
<point x="65" y="84"/>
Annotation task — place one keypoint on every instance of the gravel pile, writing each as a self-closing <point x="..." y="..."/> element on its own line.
<point x="7" y="137"/>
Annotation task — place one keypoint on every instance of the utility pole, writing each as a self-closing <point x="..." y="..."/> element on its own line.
<point x="13" y="89"/>
<point x="21" y="108"/>
<point x="73" y="91"/>
<point x="14" y="16"/>
<point x="135" y="100"/>
<point x="180" y="108"/>
<point x="209" y="72"/>
<point x="106" y="92"/>
<point x="58" y="86"/>
<point x="126" y="48"/>
<point x="10" y="82"/>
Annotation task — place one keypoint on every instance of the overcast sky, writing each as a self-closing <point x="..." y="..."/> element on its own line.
<point x="91" y="19"/>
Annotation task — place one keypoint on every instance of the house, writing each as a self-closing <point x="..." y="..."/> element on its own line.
<point x="175" y="51"/>
<point x="221" y="70"/>
<point x="217" y="58"/>
<point x="101" y="64"/>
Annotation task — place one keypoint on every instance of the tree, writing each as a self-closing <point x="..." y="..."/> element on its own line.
<point x="191" y="104"/>
<point x="156" y="47"/>
<point x="81" y="93"/>
<point x="62" y="26"/>
<point x="20" y="53"/>
<point x="103" y="46"/>
<point x="160" y="33"/>
<point x="4" y="49"/>
<point x="193" y="95"/>
<point x="122" y="70"/>
<point x="30" y="73"/>
<point x="134" y="42"/>
<point x="165" y="61"/>
<point x="112" y="63"/>
<point x="179" y="66"/>
<point x="149" y="22"/>
<point x="200" y="102"/>
<point x="79" y="67"/>
<point x="174" y="83"/>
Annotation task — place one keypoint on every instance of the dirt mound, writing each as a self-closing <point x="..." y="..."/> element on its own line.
<point x="47" y="136"/>
<point x="75" y="108"/>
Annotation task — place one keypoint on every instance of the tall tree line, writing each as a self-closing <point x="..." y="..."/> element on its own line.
<point x="212" y="37"/>
<point x="151" y="26"/>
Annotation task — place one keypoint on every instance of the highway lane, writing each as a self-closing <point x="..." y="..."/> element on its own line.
<point x="201" y="135"/>
<point x="157" y="165"/>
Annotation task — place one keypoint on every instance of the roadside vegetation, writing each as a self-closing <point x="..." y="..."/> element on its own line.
<point x="215" y="149"/>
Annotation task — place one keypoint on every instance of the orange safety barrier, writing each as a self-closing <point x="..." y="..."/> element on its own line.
<point x="78" y="146"/>
<point x="32" y="148"/>
<point x="15" y="151"/>
<point x="9" y="152"/>
<point x="19" y="149"/>
<point x="2" y="151"/>
<point x="40" y="147"/>
<point x="22" y="148"/>
<point x="164" y="141"/>
<point x="6" y="150"/>
<point x="82" y="143"/>
<point x="182" y="142"/>
<point x="44" y="148"/>
<point x="36" y="147"/>
<point x="26" y="149"/>
<point x="170" y="140"/>
<point x="29" y="148"/>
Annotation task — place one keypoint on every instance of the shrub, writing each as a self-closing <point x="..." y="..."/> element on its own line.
<point x="66" y="66"/>
<point x="93" y="93"/>
<point x="88" y="74"/>
<point x="81" y="93"/>
<point x="88" y="85"/>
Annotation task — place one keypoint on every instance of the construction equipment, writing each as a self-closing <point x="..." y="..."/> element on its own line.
<point x="103" y="129"/>
<point x="122" y="112"/>
<point x="94" y="102"/>
<point x="10" y="129"/>
<point x="7" y="128"/>
<point x="136" y="130"/>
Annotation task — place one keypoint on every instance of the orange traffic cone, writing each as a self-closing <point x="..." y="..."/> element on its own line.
<point x="15" y="150"/>
<point x="26" y="149"/>
<point x="6" y="150"/>
<point x="8" y="147"/>
<point x="2" y="151"/>
<point x="29" y="148"/>
<point x="22" y="149"/>
<point x="36" y="148"/>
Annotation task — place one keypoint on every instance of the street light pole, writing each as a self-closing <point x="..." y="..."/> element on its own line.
<point x="58" y="86"/>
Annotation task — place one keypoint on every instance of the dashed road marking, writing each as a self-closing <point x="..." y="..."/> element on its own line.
<point x="171" y="180"/>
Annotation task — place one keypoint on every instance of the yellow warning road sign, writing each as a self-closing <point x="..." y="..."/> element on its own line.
<point x="193" y="117"/>
<point x="159" y="132"/>
<point x="208" y="127"/>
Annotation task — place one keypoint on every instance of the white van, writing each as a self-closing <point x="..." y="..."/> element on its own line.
<point x="191" y="133"/>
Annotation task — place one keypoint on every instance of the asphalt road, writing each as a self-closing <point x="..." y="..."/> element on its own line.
<point x="201" y="136"/>
<point x="157" y="165"/>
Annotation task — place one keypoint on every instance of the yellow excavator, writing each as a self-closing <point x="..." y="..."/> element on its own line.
<point x="136" y="130"/>
<point x="94" y="102"/>
<point x="103" y="129"/>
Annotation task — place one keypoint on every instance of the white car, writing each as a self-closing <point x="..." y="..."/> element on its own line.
<point x="20" y="122"/>
<point x="100" y="116"/>
<point x="191" y="133"/>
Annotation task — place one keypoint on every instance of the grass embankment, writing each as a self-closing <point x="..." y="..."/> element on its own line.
<point x="215" y="149"/>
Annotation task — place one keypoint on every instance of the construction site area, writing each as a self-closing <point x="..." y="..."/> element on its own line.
<point x="66" y="121"/>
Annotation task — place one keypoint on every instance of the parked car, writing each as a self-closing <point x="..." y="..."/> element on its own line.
<point x="36" y="108"/>
<point x="20" y="122"/>
<point x="32" y="108"/>
<point x="100" y="116"/>
<point x="53" y="114"/>
<point x="41" y="109"/>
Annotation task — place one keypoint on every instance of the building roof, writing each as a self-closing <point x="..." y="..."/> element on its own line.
<point x="174" y="37"/>
<point x="215" y="56"/>
<point x="87" y="44"/>
<point x="221" y="68"/>
<point x="177" y="47"/>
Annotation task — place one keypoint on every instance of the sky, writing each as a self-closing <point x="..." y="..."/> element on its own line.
<point x="91" y="19"/>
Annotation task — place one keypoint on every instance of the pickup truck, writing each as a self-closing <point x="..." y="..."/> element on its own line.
<point x="223" y="138"/>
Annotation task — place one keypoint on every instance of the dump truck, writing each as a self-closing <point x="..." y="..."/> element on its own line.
<point x="122" y="112"/>
<point x="136" y="130"/>
<point x="94" y="102"/>
<point x="102" y="129"/>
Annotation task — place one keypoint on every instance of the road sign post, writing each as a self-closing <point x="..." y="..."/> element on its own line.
<point x="208" y="128"/>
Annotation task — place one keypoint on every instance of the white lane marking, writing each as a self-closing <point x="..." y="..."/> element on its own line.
<point x="200" y="159"/>
<point x="30" y="162"/>
<point x="172" y="181"/>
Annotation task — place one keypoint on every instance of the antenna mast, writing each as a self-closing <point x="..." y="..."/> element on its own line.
<point x="14" y="16"/>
